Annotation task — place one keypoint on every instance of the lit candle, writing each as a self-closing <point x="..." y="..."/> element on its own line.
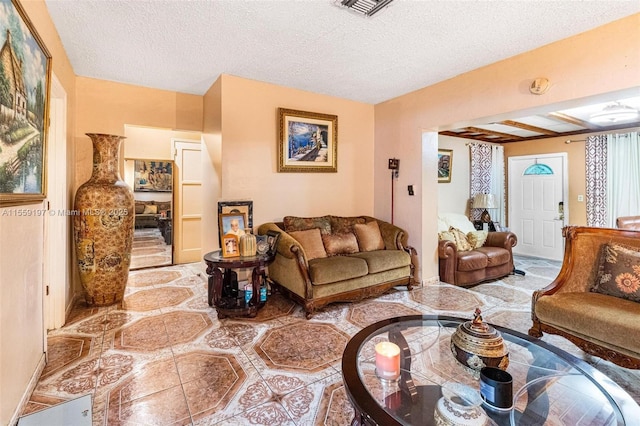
<point x="387" y="360"/>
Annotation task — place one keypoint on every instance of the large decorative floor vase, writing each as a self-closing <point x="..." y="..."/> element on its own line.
<point x="103" y="225"/>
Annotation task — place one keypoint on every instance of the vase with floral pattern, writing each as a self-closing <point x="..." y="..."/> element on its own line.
<point x="103" y="225"/>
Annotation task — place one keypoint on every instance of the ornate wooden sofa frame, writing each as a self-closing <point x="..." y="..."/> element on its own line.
<point x="599" y="324"/>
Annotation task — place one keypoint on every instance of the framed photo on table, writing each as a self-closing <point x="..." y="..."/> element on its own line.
<point x="307" y="141"/>
<point x="230" y="246"/>
<point x="25" y="80"/>
<point x="239" y="206"/>
<point x="272" y="239"/>
<point x="231" y="223"/>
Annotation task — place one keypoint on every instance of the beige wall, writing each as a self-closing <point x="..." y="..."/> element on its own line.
<point x="489" y="94"/>
<point x="453" y="197"/>
<point x="249" y="151"/>
<point x="21" y="253"/>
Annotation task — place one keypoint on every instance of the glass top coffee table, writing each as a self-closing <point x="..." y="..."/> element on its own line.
<point x="550" y="386"/>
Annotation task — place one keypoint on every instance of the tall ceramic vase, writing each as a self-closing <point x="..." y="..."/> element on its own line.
<point x="103" y="225"/>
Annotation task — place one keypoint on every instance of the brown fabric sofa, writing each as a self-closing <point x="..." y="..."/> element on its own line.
<point x="628" y="222"/>
<point x="148" y="212"/>
<point x="602" y="325"/>
<point x="466" y="268"/>
<point x="314" y="281"/>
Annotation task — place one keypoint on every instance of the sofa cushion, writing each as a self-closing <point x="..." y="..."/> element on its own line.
<point x="477" y="238"/>
<point x="496" y="256"/>
<point x="384" y="260"/>
<point x="618" y="272"/>
<point x="460" y="238"/>
<point x="472" y="261"/>
<point x="369" y="236"/>
<point x="139" y="207"/>
<point x="344" y="225"/>
<point x="311" y="242"/>
<point x="150" y="209"/>
<point x="163" y="206"/>
<point x="603" y="318"/>
<point x="336" y="244"/>
<point x="292" y="223"/>
<point x="337" y="268"/>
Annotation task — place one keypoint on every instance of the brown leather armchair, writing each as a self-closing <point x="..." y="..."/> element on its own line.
<point x="629" y="222"/>
<point x="491" y="261"/>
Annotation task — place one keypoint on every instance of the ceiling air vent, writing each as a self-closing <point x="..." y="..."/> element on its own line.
<point x="366" y="7"/>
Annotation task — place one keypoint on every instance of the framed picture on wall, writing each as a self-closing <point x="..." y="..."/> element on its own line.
<point x="445" y="160"/>
<point x="153" y="176"/>
<point x="25" y="78"/>
<point x="307" y="142"/>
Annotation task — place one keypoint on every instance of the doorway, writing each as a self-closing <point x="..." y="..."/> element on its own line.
<point x="152" y="184"/>
<point x="538" y="191"/>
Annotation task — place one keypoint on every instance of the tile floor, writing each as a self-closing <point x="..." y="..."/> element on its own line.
<point x="162" y="356"/>
<point x="149" y="249"/>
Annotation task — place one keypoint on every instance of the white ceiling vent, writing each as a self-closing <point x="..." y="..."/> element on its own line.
<point x="365" y="7"/>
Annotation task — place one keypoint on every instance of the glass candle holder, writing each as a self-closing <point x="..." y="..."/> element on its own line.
<point x="387" y="360"/>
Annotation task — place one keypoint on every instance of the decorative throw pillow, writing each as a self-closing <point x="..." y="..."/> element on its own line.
<point x="292" y="223"/>
<point x="343" y="225"/>
<point x="139" y="207"/>
<point x="446" y="236"/>
<point x="619" y="272"/>
<point x="336" y="244"/>
<point x="150" y="209"/>
<point x="368" y="235"/>
<point x="477" y="238"/>
<point x="460" y="239"/>
<point x="311" y="242"/>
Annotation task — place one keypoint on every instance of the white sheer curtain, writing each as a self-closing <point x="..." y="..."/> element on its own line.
<point x="497" y="183"/>
<point x="623" y="176"/>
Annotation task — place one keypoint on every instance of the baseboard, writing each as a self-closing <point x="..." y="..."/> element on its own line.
<point x="431" y="281"/>
<point x="33" y="382"/>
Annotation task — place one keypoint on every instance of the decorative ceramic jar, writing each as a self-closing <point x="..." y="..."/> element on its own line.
<point x="247" y="244"/>
<point x="103" y="225"/>
<point x="476" y="344"/>
<point x="460" y="405"/>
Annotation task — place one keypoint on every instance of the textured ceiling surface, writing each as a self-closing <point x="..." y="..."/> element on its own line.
<point x="314" y="45"/>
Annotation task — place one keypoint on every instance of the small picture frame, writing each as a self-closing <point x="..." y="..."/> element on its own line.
<point x="272" y="240"/>
<point x="445" y="162"/>
<point x="232" y="223"/>
<point x="230" y="246"/>
<point x="262" y="245"/>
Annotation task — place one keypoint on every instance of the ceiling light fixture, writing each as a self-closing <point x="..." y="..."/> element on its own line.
<point x="614" y="113"/>
<point x="366" y="7"/>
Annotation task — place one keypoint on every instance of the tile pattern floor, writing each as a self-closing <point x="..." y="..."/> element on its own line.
<point x="162" y="356"/>
<point x="149" y="249"/>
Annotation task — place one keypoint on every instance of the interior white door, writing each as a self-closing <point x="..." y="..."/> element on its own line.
<point x="538" y="189"/>
<point x="188" y="218"/>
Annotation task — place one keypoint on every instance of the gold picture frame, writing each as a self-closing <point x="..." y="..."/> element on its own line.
<point x="230" y="246"/>
<point x="445" y="162"/>
<point x="25" y="108"/>
<point x="307" y="142"/>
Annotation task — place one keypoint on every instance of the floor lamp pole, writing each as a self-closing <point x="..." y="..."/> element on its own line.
<point x="392" y="171"/>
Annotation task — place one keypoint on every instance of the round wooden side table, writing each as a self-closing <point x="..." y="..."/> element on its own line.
<point x="219" y="284"/>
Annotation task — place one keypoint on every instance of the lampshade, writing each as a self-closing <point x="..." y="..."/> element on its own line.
<point x="484" y="201"/>
<point x="614" y="113"/>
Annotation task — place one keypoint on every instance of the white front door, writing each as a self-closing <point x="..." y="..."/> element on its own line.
<point x="188" y="195"/>
<point x="538" y="191"/>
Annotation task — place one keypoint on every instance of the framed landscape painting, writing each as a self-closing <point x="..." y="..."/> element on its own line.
<point x="445" y="159"/>
<point x="25" y="76"/>
<point x="307" y="141"/>
<point x="153" y="176"/>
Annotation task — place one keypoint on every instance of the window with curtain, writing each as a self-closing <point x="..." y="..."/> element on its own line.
<point x="487" y="177"/>
<point x="613" y="178"/>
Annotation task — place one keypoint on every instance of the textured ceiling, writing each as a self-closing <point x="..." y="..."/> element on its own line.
<point x="315" y="45"/>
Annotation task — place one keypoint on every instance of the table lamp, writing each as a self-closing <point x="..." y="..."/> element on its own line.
<point x="484" y="201"/>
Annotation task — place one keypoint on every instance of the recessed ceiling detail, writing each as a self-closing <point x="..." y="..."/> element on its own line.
<point x="557" y="123"/>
